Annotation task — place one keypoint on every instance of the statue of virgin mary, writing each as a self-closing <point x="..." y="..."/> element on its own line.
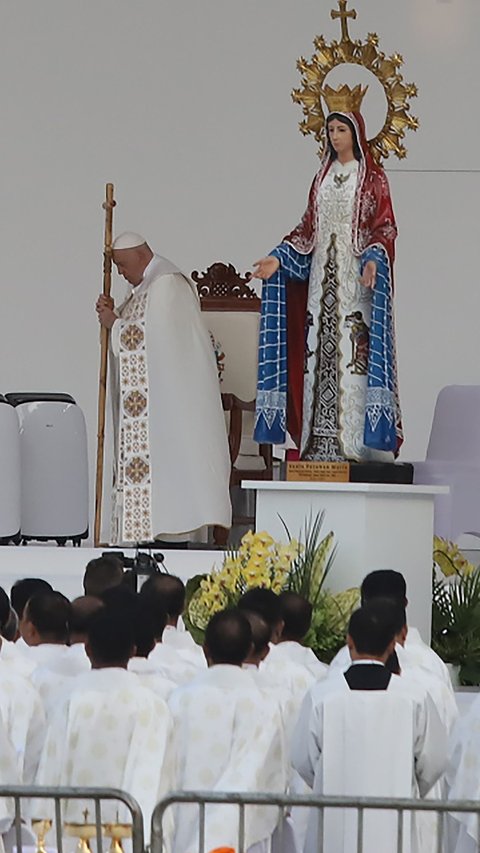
<point x="327" y="358"/>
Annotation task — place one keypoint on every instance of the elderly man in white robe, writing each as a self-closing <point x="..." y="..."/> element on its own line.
<point x="171" y="457"/>
<point x="110" y="731"/>
<point x="364" y="733"/>
<point x="230" y="738"/>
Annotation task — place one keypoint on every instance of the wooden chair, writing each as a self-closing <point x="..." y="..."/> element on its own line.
<point x="231" y="310"/>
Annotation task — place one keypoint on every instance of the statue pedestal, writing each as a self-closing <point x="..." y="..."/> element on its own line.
<point x="376" y="526"/>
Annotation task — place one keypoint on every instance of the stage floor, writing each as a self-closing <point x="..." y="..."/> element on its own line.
<point x="64" y="567"/>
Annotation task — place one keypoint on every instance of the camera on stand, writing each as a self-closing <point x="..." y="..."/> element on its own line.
<point x="143" y="565"/>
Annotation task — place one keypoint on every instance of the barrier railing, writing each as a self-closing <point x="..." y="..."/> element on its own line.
<point x="398" y="839"/>
<point x="94" y="827"/>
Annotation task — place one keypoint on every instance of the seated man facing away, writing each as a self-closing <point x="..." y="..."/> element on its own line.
<point x="82" y="611"/>
<point x="108" y="730"/>
<point x="280" y="671"/>
<point x="296" y="613"/>
<point x="101" y="574"/>
<point x="145" y="626"/>
<point x="230" y="738"/>
<point x="366" y="732"/>
<point x="168" y="592"/>
<point x="387" y="583"/>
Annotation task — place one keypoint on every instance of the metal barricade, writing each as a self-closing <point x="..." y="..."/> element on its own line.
<point x="363" y="806"/>
<point x="97" y="827"/>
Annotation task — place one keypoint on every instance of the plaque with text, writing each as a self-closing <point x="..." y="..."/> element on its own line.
<point x="318" y="472"/>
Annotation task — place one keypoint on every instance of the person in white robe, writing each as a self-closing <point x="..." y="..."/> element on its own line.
<point x="82" y="611"/>
<point x="165" y="593"/>
<point x="103" y="573"/>
<point x="145" y="626"/>
<point x="364" y="733"/>
<point x="296" y="613"/>
<point x="110" y="731"/>
<point x="230" y="738"/>
<point x="387" y="583"/>
<point x="171" y="457"/>
<point x="23" y="714"/>
<point x="45" y="630"/>
<point x="463" y="781"/>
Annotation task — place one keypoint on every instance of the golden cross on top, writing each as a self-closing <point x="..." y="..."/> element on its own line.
<point x="344" y="16"/>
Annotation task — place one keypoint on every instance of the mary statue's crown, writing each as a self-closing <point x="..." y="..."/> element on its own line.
<point x="343" y="99"/>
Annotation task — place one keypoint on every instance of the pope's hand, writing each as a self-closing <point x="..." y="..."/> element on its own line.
<point x="105" y="302"/>
<point x="369" y="276"/>
<point x="106" y="316"/>
<point x="266" y="267"/>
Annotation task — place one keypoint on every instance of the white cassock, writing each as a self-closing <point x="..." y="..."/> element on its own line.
<point x="110" y="732"/>
<point x="360" y="743"/>
<point x="150" y="677"/>
<point x="56" y="668"/>
<point x="172" y="463"/>
<point x="23" y="714"/>
<point x="229" y="738"/>
<point x="463" y="780"/>
<point x="295" y="652"/>
<point x="171" y="665"/>
<point x="9" y="775"/>
<point x="184" y="645"/>
<point x="418" y="654"/>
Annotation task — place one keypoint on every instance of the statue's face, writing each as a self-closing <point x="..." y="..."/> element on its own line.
<point x="341" y="138"/>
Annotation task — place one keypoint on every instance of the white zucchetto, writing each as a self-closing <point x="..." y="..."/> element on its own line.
<point x="128" y="240"/>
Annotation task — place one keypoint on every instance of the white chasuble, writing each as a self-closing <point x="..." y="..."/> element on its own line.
<point x="110" y="732"/>
<point x="172" y="464"/>
<point x="229" y="738"/>
<point x="23" y="714"/>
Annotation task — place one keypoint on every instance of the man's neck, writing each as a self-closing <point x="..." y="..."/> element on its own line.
<point x="355" y="656"/>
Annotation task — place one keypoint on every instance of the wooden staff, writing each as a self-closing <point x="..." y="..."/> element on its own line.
<point x="108" y="206"/>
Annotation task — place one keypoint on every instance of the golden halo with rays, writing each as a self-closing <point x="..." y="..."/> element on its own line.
<point x="385" y="68"/>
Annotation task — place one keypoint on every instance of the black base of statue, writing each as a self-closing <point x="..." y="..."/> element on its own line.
<point x="381" y="472"/>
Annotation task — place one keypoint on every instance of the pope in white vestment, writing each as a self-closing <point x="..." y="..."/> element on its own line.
<point x="172" y="464"/>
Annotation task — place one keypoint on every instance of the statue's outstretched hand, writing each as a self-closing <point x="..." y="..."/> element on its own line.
<point x="369" y="275"/>
<point x="265" y="267"/>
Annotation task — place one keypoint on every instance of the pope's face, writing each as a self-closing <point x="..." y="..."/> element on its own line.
<point x="341" y="138"/>
<point x="130" y="264"/>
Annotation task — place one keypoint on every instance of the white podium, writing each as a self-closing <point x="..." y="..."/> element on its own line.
<point x="376" y="526"/>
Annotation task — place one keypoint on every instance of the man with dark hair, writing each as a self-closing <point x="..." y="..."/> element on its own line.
<point x="23" y="589"/>
<point x="367" y="732"/>
<point x="175" y="655"/>
<point x="148" y="623"/>
<point x="275" y="669"/>
<point x="297" y="618"/>
<point x="384" y="584"/>
<point x="228" y="638"/>
<point x="261" y="635"/>
<point x="267" y="604"/>
<point x="230" y="738"/>
<point x="102" y="573"/>
<point x="109" y="730"/>
<point x="45" y="626"/>
<point x="82" y="612"/>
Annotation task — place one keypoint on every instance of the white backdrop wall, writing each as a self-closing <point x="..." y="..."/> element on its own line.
<point x="185" y="105"/>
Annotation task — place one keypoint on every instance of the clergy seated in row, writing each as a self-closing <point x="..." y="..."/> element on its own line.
<point x="20" y="592"/>
<point x="230" y="737"/>
<point x="386" y="583"/>
<point x="101" y="574"/>
<point x="367" y="732"/>
<point x="82" y="611"/>
<point x="108" y="730"/>
<point x="281" y="671"/>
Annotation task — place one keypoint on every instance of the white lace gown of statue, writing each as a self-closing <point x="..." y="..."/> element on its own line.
<point x="338" y="321"/>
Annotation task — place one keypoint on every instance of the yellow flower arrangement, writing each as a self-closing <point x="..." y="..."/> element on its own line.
<point x="259" y="561"/>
